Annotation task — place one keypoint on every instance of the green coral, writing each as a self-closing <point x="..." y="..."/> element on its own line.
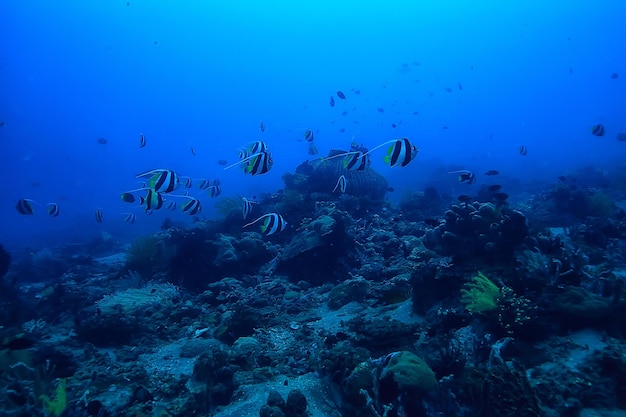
<point x="56" y="406"/>
<point x="481" y="295"/>
<point x="410" y="372"/>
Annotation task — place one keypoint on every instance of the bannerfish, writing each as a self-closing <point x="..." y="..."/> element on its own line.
<point x="247" y="207"/>
<point x="130" y="218"/>
<point x="401" y="153"/>
<point x="272" y="223"/>
<point x="25" y="206"/>
<point x="341" y="184"/>
<point x="308" y="135"/>
<point x="332" y="101"/>
<point x="341" y="95"/>
<point x="214" y="191"/>
<point x="262" y="126"/>
<point x="522" y="150"/>
<point x="142" y="140"/>
<point x="465" y="176"/>
<point x="312" y="149"/>
<point x="356" y="161"/>
<point x="598" y="130"/>
<point x="153" y="200"/>
<point x="53" y="209"/>
<point x="99" y="216"/>
<point x="621" y="137"/>
<point x="192" y="207"/>
<point x="161" y="180"/>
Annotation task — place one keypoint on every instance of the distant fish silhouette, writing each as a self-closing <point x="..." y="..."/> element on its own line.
<point x="598" y="130"/>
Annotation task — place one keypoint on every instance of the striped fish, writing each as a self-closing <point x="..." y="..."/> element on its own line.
<point x="341" y="184"/>
<point x="522" y="150"/>
<point x="53" y="209"/>
<point x="153" y="200"/>
<point x="252" y="148"/>
<point x="142" y="140"/>
<point x="598" y="130"/>
<point x="206" y="184"/>
<point x="99" y="216"/>
<point x="171" y="205"/>
<point x="130" y="218"/>
<point x="161" y="180"/>
<point x="25" y="206"/>
<point x="356" y="161"/>
<point x="272" y="223"/>
<point x="214" y="191"/>
<point x="401" y="153"/>
<point x="192" y="207"/>
<point x="259" y="164"/>
<point x="247" y="207"/>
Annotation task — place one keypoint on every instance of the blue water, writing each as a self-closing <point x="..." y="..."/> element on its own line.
<point x="204" y="74"/>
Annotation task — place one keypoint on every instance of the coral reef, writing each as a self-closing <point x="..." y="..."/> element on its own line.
<point x="478" y="230"/>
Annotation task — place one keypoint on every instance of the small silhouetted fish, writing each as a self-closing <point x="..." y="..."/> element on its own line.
<point x="522" y="150"/>
<point x="391" y="189"/>
<point x="444" y="127"/>
<point x="492" y="172"/>
<point x="448" y="89"/>
<point x="614" y="76"/>
<point x="562" y="178"/>
<point x="102" y="141"/>
<point x="621" y="137"/>
<point x="431" y="222"/>
<point x="262" y="126"/>
<point x="500" y="196"/>
<point x="571" y="70"/>
<point x="342" y="130"/>
<point x="495" y="187"/>
<point x="460" y="86"/>
<point x="394" y="125"/>
<point x="128" y="197"/>
<point x="344" y="113"/>
<point x="341" y="95"/>
<point x="222" y="162"/>
<point x="415" y="113"/>
<point x="1" y="123"/>
<point x="464" y="198"/>
<point x="598" y="130"/>
<point x="357" y="91"/>
<point x="20" y="343"/>
<point x="380" y="109"/>
<point x="35" y="184"/>
<point x="332" y="101"/>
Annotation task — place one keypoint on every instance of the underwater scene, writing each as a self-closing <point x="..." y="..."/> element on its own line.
<point x="312" y="208"/>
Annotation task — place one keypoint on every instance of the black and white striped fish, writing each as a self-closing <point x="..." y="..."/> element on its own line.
<point x="356" y="161"/>
<point x="53" y="209"/>
<point x="161" y="180"/>
<point x="341" y="184"/>
<point x="272" y="223"/>
<point x="25" y="206"/>
<point x="153" y="200"/>
<point x="192" y="206"/>
<point x="247" y="207"/>
<point x="401" y="153"/>
<point x="99" y="216"/>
